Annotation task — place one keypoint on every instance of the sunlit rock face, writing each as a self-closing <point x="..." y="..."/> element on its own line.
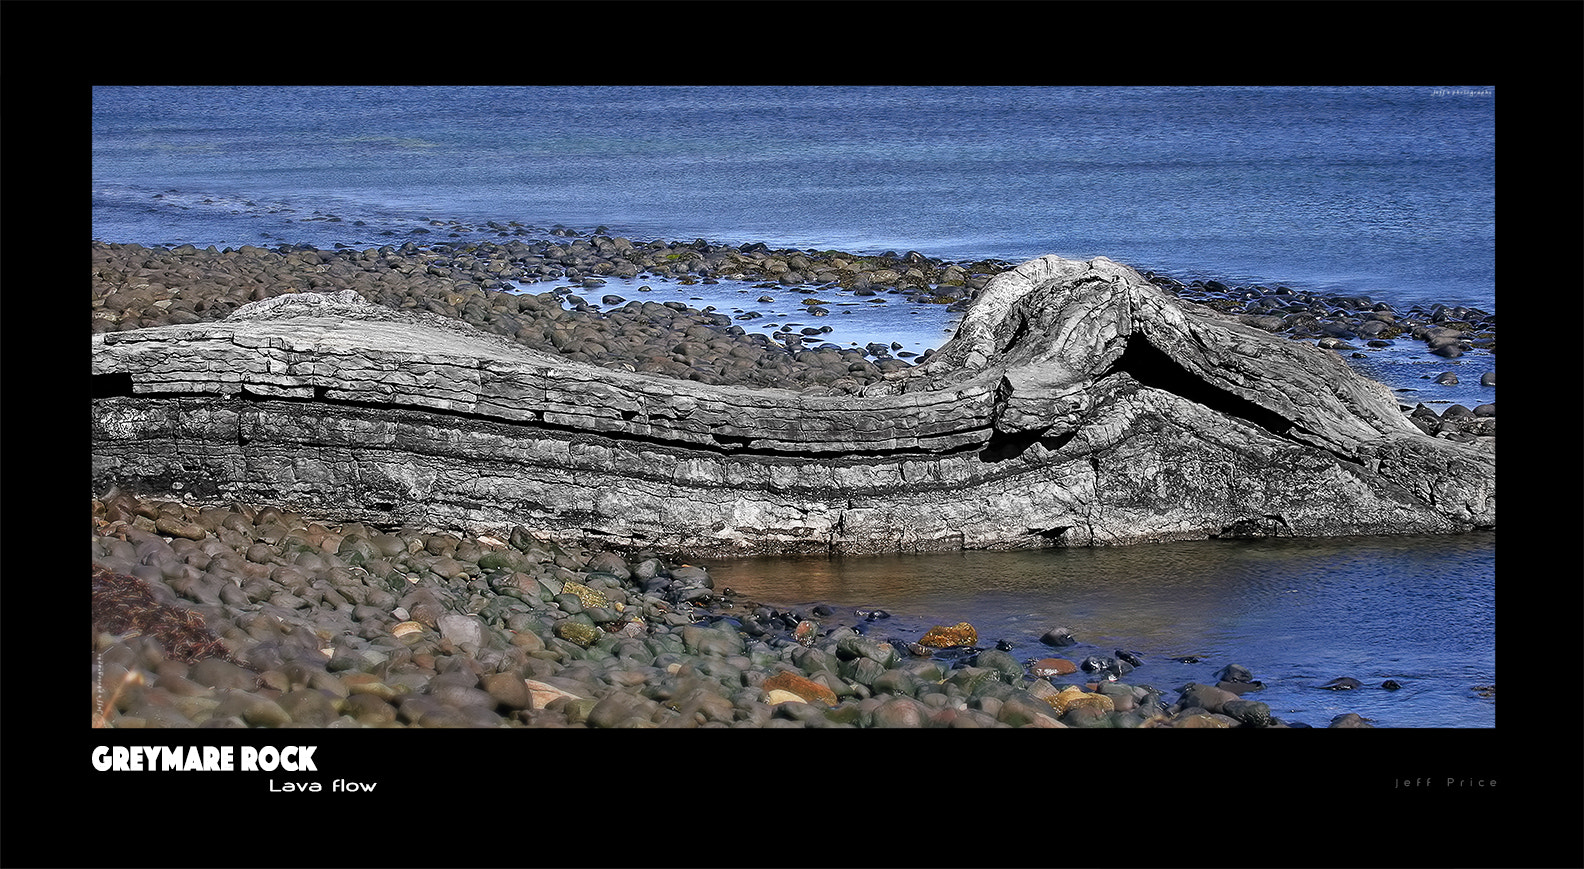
<point x="1076" y="405"/>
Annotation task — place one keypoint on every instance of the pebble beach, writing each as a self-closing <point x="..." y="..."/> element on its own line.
<point x="243" y="617"/>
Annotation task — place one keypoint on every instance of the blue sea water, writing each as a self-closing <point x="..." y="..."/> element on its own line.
<point x="1388" y="192"/>
<point x="1381" y="191"/>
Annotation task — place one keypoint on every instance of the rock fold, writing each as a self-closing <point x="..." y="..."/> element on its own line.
<point x="1076" y="405"/>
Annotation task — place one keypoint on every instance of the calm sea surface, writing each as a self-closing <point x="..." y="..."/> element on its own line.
<point x="1385" y="192"/>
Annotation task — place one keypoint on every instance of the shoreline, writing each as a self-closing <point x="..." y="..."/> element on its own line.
<point x="248" y="617"/>
<point x="138" y="285"/>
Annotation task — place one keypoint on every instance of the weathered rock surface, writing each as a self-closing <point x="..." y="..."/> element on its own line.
<point x="1076" y="405"/>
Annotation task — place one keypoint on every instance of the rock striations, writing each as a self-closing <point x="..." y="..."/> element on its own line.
<point x="1076" y="405"/>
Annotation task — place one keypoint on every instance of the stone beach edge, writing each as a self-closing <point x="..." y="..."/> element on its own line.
<point x="242" y="617"/>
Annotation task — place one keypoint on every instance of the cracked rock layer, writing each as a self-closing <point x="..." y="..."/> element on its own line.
<point x="1076" y="405"/>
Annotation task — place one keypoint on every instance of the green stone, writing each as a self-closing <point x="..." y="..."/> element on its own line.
<point x="577" y="632"/>
<point x="847" y="713"/>
<point x="864" y="671"/>
<point x="896" y="682"/>
<point x="1001" y="662"/>
<point x="590" y="597"/>
<point x="569" y="603"/>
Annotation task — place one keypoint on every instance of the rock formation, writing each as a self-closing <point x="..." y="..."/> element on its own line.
<point x="1076" y="405"/>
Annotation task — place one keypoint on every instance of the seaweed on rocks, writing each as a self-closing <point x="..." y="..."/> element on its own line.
<point x="124" y="605"/>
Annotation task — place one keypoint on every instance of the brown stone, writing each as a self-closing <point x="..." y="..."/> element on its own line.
<point x="508" y="689"/>
<point x="368" y="683"/>
<point x="1072" y="697"/>
<point x="176" y="527"/>
<point x="805" y="688"/>
<point x="942" y="637"/>
<point x="1047" y="667"/>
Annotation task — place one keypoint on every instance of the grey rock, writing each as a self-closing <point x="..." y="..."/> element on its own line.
<point x="1250" y="712"/>
<point x="1058" y="637"/>
<point x="711" y="641"/>
<point x="850" y="646"/>
<point x="623" y="710"/>
<point x="1207" y="697"/>
<point x="692" y="577"/>
<point x="253" y="710"/>
<point x="1076" y="405"/>
<point x="308" y="707"/>
<point x="1001" y="662"/>
<point x="218" y="673"/>
<point x="461" y="629"/>
<point x="900" y="711"/>
<point x="1018" y="712"/>
<point x="896" y="682"/>
<point x="1235" y="673"/>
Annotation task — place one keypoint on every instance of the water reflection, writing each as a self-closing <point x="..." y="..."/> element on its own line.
<point x="1420" y="610"/>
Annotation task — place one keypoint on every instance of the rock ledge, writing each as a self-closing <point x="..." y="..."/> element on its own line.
<point x="1077" y="405"/>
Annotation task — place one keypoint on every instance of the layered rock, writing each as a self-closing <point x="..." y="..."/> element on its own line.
<point x="1076" y="405"/>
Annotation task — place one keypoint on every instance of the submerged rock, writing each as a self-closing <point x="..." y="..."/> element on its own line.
<point x="1078" y="404"/>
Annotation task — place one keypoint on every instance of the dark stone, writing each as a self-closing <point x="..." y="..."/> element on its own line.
<point x="1207" y="697"/>
<point x="1251" y="713"/>
<point x="1106" y="666"/>
<point x="1241" y="688"/>
<point x="1234" y="673"/>
<point x="1058" y="637"/>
